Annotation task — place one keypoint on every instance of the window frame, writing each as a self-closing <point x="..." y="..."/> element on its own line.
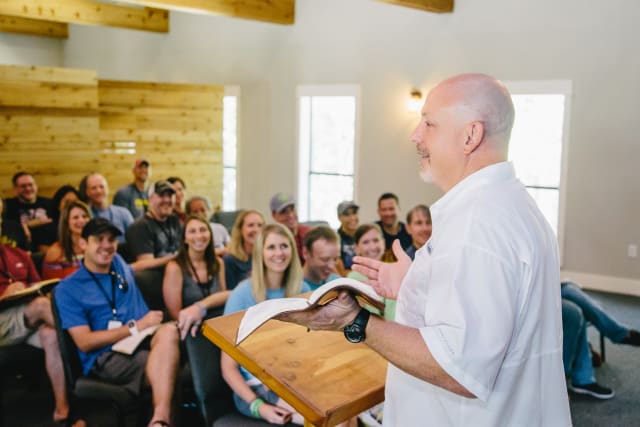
<point x="545" y="87"/>
<point x="233" y="90"/>
<point x="302" y="154"/>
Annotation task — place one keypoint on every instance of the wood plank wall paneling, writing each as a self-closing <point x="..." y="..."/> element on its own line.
<point x="177" y="127"/>
<point x="48" y="125"/>
<point x="34" y="27"/>
<point x="61" y="124"/>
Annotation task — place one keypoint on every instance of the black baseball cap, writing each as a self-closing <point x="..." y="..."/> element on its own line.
<point x="99" y="225"/>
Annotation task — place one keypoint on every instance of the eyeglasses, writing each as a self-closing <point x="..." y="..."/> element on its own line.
<point x="122" y="283"/>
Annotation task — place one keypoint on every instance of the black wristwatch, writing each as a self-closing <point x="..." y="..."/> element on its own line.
<point x="355" y="331"/>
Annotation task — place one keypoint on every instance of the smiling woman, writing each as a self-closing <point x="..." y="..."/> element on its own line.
<point x="64" y="256"/>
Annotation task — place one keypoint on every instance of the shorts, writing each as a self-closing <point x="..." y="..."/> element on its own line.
<point x="13" y="328"/>
<point x="262" y="392"/>
<point x="124" y="370"/>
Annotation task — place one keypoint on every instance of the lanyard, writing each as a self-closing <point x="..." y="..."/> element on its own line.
<point x="204" y="286"/>
<point x="112" y="300"/>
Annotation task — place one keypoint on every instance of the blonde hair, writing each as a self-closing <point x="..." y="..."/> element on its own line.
<point x="292" y="281"/>
<point x="236" y="246"/>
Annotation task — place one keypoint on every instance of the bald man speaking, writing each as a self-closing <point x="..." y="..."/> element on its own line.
<point x="478" y="333"/>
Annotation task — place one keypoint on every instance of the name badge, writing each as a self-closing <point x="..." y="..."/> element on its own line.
<point x="114" y="324"/>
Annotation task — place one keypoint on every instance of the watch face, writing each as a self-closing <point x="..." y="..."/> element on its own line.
<point x="354" y="333"/>
<point x="131" y="324"/>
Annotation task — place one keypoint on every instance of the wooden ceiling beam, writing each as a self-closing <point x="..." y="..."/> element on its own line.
<point x="89" y="13"/>
<point x="273" y="11"/>
<point x="34" y="27"/>
<point x="438" y="6"/>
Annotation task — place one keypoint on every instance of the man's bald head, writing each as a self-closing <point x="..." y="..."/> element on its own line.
<point x="479" y="97"/>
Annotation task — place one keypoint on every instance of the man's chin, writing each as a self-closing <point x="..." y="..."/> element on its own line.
<point x="426" y="176"/>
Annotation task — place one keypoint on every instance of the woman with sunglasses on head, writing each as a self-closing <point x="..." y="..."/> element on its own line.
<point x="194" y="290"/>
<point x="276" y="273"/>
<point x="64" y="256"/>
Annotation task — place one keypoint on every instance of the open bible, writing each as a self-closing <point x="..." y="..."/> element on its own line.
<point x="129" y="344"/>
<point x="35" y="289"/>
<point x="255" y="316"/>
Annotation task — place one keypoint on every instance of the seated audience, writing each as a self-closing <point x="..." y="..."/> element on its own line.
<point x="576" y="356"/>
<point x="12" y="233"/>
<point x="194" y="290"/>
<point x="283" y="211"/>
<point x="181" y="194"/>
<point x="349" y="220"/>
<point x="237" y="260"/>
<point x="200" y="205"/>
<point x="94" y="191"/>
<point x="65" y="256"/>
<point x="321" y="252"/>
<point x="154" y="238"/>
<point x="30" y="210"/>
<point x="370" y="244"/>
<point x="392" y="229"/>
<point x="99" y="305"/>
<point x="134" y="196"/>
<point x="31" y="322"/>
<point x="419" y="228"/>
<point x="276" y="273"/>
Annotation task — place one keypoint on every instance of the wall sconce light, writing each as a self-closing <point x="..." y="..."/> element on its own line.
<point x="414" y="104"/>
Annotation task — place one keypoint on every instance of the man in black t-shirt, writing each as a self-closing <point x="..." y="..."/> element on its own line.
<point x="31" y="211"/>
<point x="154" y="238"/>
<point x="392" y="229"/>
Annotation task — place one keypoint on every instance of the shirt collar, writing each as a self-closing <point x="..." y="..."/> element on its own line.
<point x="486" y="176"/>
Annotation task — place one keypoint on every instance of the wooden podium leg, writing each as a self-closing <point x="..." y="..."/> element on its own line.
<point x="308" y="424"/>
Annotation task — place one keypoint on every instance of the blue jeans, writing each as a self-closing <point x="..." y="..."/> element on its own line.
<point x="593" y="313"/>
<point x="576" y="356"/>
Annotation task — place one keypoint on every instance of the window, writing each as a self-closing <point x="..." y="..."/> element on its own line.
<point x="539" y="143"/>
<point x="229" y="146"/>
<point x="328" y="131"/>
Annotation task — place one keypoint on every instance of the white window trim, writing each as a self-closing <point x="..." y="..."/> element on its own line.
<point x="564" y="87"/>
<point x="234" y="90"/>
<point x="326" y="90"/>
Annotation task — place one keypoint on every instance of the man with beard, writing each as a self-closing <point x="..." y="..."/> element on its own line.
<point x="477" y="336"/>
<point x="154" y="238"/>
<point x="134" y="196"/>
<point x="392" y="229"/>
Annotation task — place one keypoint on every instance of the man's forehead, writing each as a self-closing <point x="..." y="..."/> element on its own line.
<point x="25" y="179"/>
<point x="104" y="235"/>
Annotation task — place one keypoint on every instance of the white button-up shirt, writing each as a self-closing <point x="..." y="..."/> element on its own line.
<point x="484" y="294"/>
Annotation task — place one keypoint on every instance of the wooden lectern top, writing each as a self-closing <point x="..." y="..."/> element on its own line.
<point x="327" y="379"/>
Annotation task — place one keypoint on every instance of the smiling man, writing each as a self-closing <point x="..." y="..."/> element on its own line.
<point x="321" y="252"/>
<point x="95" y="191"/>
<point x="154" y="238"/>
<point x="99" y="305"/>
<point x="134" y="196"/>
<point x="418" y="227"/>
<point x="31" y="211"/>
<point x="477" y="337"/>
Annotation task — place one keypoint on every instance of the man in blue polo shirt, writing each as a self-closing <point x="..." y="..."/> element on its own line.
<point x="100" y="304"/>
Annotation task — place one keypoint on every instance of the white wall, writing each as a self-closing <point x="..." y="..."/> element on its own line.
<point x="30" y="50"/>
<point x="388" y="50"/>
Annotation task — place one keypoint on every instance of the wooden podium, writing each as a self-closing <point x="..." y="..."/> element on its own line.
<point x="325" y="378"/>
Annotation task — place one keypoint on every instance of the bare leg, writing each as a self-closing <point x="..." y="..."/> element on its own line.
<point x="55" y="371"/>
<point x="37" y="312"/>
<point x="162" y="367"/>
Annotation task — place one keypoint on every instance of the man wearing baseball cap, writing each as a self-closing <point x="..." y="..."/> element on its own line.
<point x="100" y="305"/>
<point x="153" y="239"/>
<point x="283" y="210"/>
<point x="134" y="196"/>
<point x="349" y="221"/>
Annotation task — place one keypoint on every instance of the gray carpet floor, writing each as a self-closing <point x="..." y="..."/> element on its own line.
<point x="621" y="371"/>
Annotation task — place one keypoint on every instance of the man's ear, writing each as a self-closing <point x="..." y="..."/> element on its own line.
<point x="475" y="136"/>
<point x="305" y="253"/>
